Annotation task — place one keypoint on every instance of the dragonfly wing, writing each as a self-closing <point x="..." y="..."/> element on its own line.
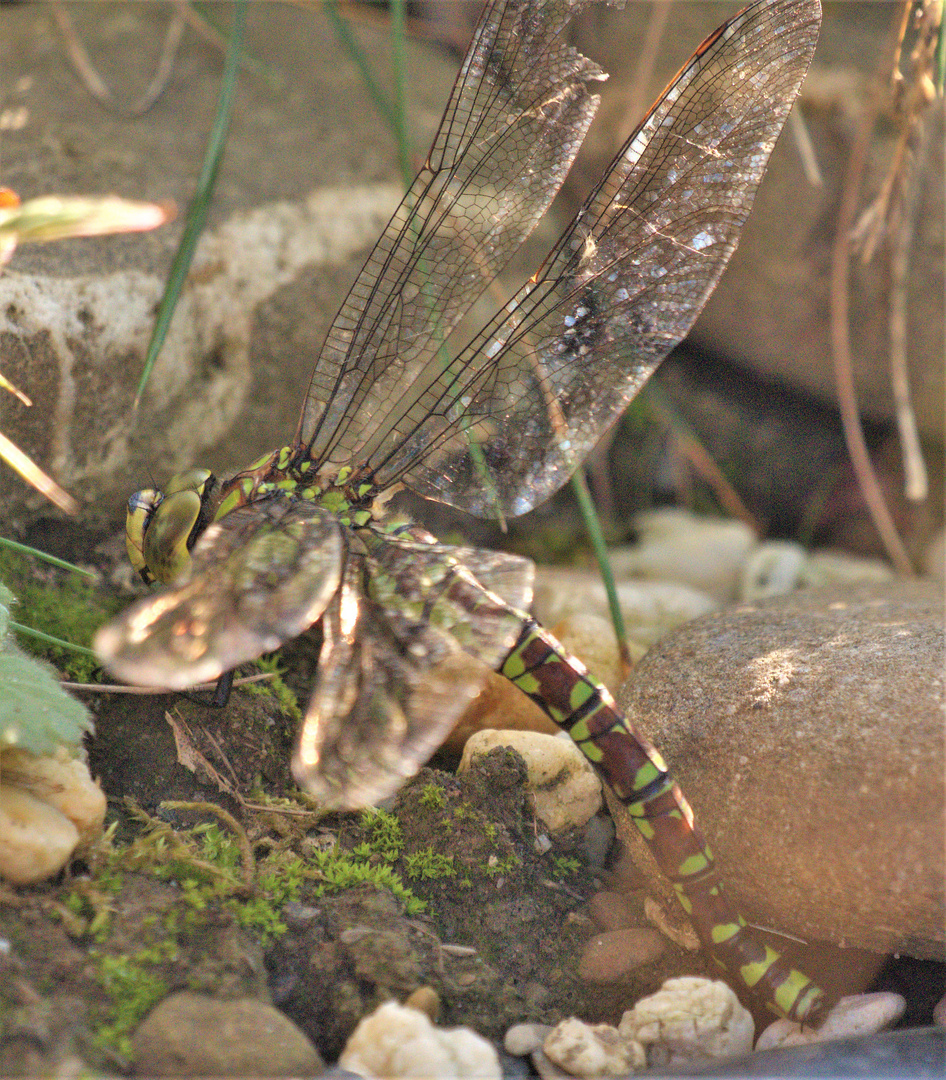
<point x="508" y="576"/>
<point x="515" y="120"/>
<point x="389" y="688"/>
<point x="508" y="422"/>
<point x="441" y="585"/>
<point x="259" y="577"/>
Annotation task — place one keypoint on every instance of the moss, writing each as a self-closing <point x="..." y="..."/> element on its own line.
<point x="432" y="797"/>
<point x="66" y="605"/>
<point x="564" y="866"/>
<point x="429" y="865"/>
<point x="338" y="871"/>
<point x="385" y="837"/>
<point x="495" y="866"/>
<point x="275" y="687"/>
<point x="134" y="987"/>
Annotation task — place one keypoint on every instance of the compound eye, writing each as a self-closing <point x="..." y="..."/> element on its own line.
<point x="191" y="480"/>
<point x="164" y="549"/>
<point x="141" y="508"/>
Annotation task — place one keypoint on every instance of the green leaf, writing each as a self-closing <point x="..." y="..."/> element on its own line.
<point x="35" y="713"/>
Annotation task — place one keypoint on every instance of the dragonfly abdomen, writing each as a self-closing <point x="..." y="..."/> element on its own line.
<point x="564" y="689"/>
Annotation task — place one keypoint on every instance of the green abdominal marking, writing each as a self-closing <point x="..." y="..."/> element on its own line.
<point x="638" y="775"/>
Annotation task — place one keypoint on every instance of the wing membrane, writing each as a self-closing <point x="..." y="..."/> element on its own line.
<point x="507" y="424"/>
<point x="388" y="689"/>
<point x="395" y="670"/>
<point x="260" y="576"/>
<point x="517" y="115"/>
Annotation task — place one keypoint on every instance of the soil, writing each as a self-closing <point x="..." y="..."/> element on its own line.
<point x="216" y="876"/>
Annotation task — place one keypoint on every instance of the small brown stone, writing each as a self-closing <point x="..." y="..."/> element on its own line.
<point x="426" y="1000"/>
<point x="196" y="1035"/>
<point x="610" y="957"/>
<point x="611" y="911"/>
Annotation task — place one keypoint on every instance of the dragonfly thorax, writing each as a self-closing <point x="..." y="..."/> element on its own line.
<point x="161" y="527"/>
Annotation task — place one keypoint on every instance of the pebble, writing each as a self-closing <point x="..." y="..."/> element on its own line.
<point x="592" y="1050"/>
<point x="546" y="1068"/>
<point x="825" y="568"/>
<point x="597" y="841"/>
<point x="566" y="790"/>
<point x="195" y="1035"/>
<point x="50" y="807"/>
<point x="611" y="956"/>
<point x="773" y="568"/>
<point x="523" y="1039"/>
<point x="611" y="911"/>
<point x="650" y="608"/>
<point x="36" y="841"/>
<point x="689" y="1019"/>
<point x="426" y="1000"/>
<point x="858" y="1014"/>
<point x="395" y="1041"/>
<point x="674" y="545"/>
<point x="807" y="732"/>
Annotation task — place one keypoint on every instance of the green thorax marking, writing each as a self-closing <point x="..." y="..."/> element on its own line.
<point x="344" y="491"/>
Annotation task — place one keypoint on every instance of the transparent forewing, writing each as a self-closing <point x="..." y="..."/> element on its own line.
<point x="506" y="425"/>
<point x="518" y="113"/>
<point x="390" y="685"/>
<point x="260" y="576"/>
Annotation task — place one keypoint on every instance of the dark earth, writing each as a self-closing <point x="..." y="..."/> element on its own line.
<point x="216" y="876"/>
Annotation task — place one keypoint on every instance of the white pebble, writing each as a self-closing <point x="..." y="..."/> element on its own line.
<point x="523" y="1039"/>
<point x="674" y="545"/>
<point x="825" y="568"/>
<point x="859" y="1014"/>
<point x="591" y="1050"/>
<point x="650" y="608"/>
<point x="566" y="789"/>
<point x="689" y="1020"/>
<point x="546" y="1068"/>
<point x="396" y="1041"/>
<point x="774" y="568"/>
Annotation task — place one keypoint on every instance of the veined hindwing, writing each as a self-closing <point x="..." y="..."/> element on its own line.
<point x="401" y="641"/>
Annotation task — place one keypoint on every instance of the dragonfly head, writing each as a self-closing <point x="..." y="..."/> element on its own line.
<point x="162" y="527"/>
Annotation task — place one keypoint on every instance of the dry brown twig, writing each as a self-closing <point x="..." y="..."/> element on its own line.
<point x="888" y="219"/>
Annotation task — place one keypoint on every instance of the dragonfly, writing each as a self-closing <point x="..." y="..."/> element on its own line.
<point x="305" y="534"/>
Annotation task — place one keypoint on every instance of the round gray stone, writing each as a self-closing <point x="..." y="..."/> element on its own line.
<point x="808" y="733"/>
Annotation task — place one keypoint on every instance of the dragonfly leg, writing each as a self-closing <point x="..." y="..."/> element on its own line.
<point x="562" y="687"/>
<point x="221" y="694"/>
